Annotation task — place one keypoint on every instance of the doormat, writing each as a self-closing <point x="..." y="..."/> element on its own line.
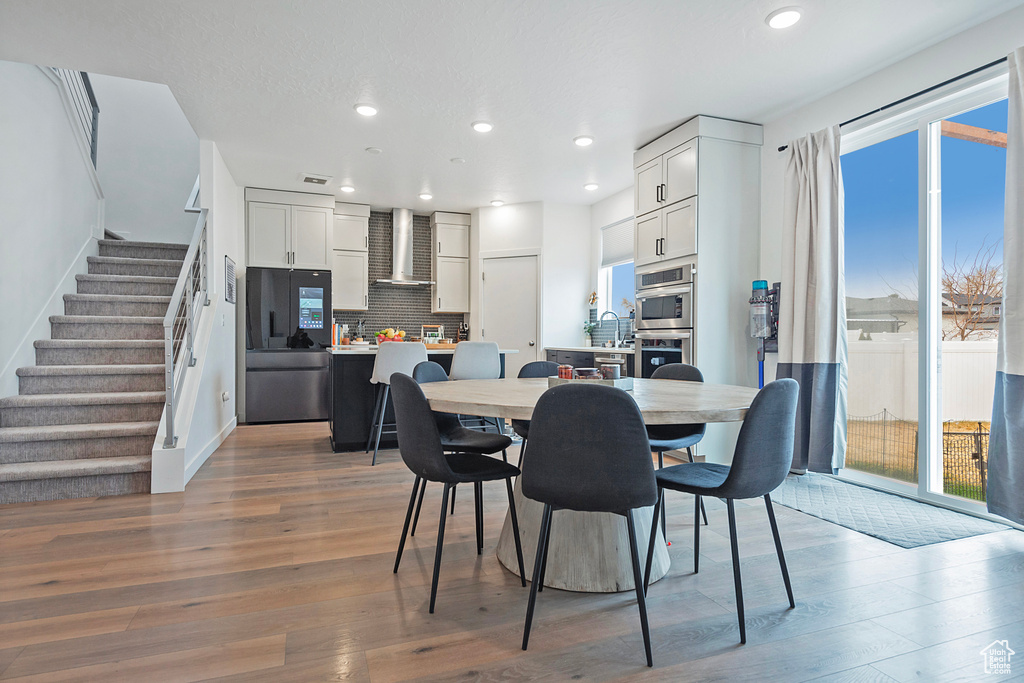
<point x="895" y="519"/>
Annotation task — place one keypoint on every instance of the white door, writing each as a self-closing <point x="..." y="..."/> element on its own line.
<point x="312" y="237"/>
<point x="647" y="181"/>
<point x="349" y="281"/>
<point x="269" y="230"/>
<point x="680" y="229"/>
<point x="452" y="289"/>
<point x="351" y="233"/>
<point x="509" y="308"/>
<point x="648" y="240"/>
<point x="680" y="173"/>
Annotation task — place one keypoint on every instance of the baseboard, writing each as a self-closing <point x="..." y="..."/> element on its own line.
<point x="24" y="352"/>
<point x="202" y="456"/>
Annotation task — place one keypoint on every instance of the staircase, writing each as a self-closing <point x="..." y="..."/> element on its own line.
<point x="87" y="413"/>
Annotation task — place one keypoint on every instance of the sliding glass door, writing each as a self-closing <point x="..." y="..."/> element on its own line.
<point x="924" y="221"/>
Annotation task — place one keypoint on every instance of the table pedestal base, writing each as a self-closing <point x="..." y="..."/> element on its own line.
<point x="589" y="551"/>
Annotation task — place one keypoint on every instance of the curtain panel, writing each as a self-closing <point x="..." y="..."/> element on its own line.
<point x="812" y="316"/>
<point x="1006" y="440"/>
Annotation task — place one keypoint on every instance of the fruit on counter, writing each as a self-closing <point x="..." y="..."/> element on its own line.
<point x="390" y="334"/>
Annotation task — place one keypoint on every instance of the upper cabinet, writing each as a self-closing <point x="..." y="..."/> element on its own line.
<point x="666" y="179"/>
<point x="449" y="263"/>
<point x="350" y="278"/>
<point x="289" y="230"/>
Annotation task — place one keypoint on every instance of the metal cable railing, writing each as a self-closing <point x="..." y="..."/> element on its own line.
<point x="187" y="302"/>
<point x="84" y="101"/>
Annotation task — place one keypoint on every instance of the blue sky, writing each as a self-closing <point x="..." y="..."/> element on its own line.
<point x="881" y="188"/>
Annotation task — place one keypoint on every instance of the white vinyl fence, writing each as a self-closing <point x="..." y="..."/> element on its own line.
<point x="883" y="376"/>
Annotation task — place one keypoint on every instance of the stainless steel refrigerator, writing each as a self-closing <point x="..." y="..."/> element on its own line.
<point x="287" y="327"/>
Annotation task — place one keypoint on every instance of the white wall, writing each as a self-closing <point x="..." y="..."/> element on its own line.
<point x="205" y="418"/>
<point x="965" y="51"/>
<point x="147" y="159"/>
<point x="50" y="212"/>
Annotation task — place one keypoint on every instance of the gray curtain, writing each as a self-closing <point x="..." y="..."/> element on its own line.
<point x="1006" y="441"/>
<point x="812" y="318"/>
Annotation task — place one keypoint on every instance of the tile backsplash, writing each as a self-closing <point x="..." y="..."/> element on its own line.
<point x="399" y="306"/>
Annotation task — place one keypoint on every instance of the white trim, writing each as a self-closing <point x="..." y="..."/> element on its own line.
<point x="510" y="253"/>
<point x="212" y="445"/>
<point x="256" y="194"/>
<point x="24" y="352"/>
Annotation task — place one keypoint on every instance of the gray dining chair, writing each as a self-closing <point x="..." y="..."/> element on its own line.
<point x="588" y="452"/>
<point x="680" y="436"/>
<point x="534" y="369"/>
<point x="761" y="461"/>
<point x="477" y="360"/>
<point x="419" y="443"/>
<point x="391" y="357"/>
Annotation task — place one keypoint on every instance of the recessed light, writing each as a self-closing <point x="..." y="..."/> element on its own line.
<point x="497" y="202"/>
<point x="426" y="195"/>
<point x="374" y="150"/>
<point x="583" y="141"/>
<point x="590" y="187"/>
<point x="482" y="127"/>
<point x="783" y="18"/>
<point x="366" y="109"/>
<point x="347" y="188"/>
<point x="457" y="160"/>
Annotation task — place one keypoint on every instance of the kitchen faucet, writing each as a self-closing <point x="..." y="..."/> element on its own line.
<point x="618" y="342"/>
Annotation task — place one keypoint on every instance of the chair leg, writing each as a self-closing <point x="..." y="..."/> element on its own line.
<point x="373" y="422"/>
<point x="736" y="570"/>
<point x="453" y="499"/>
<point x="440" y="544"/>
<point x="515" y="530"/>
<point x="522" y="452"/>
<point x="703" y="512"/>
<point x="544" y="561"/>
<point x="697" y="505"/>
<point x="504" y="456"/>
<point x="778" y="549"/>
<point x="419" y="504"/>
<point x="654" y="538"/>
<point x="664" y="524"/>
<point x="478" y="509"/>
<point x="640" y="589"/>
<point x="538" y="563"/>
<point x="380" y="423"/>
<point x="408" y="514"/>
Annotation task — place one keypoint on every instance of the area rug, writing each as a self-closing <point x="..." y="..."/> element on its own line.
<point x="898" y="520"/>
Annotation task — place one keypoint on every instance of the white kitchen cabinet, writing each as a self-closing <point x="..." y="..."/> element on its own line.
<point x="350" y="280"/>
<point x="666" y="179"/>
<point x="288" y="236"/>
<point x="451" y="240"/>
<point x="351" y="233"/>
<point x="450" y="293"/>
<point x="666" y="234"/>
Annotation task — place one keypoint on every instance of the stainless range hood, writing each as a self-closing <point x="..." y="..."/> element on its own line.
<point x="401" y="251"/>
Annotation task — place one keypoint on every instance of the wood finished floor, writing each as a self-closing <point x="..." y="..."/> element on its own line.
<point x="275" y="565"/>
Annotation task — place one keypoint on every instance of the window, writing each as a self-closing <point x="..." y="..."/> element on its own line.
<point x="924" y="190"/>
<point x="616" y="286"/>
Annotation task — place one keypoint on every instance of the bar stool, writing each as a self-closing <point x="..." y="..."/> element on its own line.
<point x="538" y="368"/>
<point x="454" y="437"/>
<point x="392" y="357"/>
<point x="676" y="437"/>
<point x="420" y="445"/>
<point x="477" y="360"/>
<point x="761" y="461"/>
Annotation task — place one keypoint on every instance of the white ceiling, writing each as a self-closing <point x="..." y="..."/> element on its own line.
<point x="274" y="83"/>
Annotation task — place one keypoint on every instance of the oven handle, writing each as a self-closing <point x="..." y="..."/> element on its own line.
<point x="663" y="335"/>
<point x="651" y="293"/>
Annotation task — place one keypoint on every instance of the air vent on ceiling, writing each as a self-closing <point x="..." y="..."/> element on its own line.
<point x="315" y="179"/>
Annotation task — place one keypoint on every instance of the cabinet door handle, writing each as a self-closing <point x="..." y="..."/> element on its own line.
<point x="657" y="193"/>
<point x="439" y="248"/>
<point x="439" y="302"/>
<point x="365" y="302"/>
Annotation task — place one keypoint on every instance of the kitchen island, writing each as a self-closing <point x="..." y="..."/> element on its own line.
<point x="351" y="395"/>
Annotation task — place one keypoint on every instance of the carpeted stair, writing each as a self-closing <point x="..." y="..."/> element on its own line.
<point x="87" y="413"/>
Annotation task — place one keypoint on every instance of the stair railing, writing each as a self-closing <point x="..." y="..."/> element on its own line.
<point x="187" y="302"/>
<point x="84" y="100"/>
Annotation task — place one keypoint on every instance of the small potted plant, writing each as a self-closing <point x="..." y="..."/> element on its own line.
<point x="588" y="329"/>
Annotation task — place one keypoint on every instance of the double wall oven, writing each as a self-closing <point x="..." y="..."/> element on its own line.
<point x="664" y="317"/>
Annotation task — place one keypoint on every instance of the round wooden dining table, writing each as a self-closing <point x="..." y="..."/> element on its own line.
<point x="588" y="551"/>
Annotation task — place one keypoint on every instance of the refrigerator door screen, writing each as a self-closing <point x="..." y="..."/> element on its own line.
<point x="311" y="308"/>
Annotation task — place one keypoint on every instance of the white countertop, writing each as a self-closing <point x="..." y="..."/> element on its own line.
<point x="372" y="350"/>
<point x="592" y="349"/>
